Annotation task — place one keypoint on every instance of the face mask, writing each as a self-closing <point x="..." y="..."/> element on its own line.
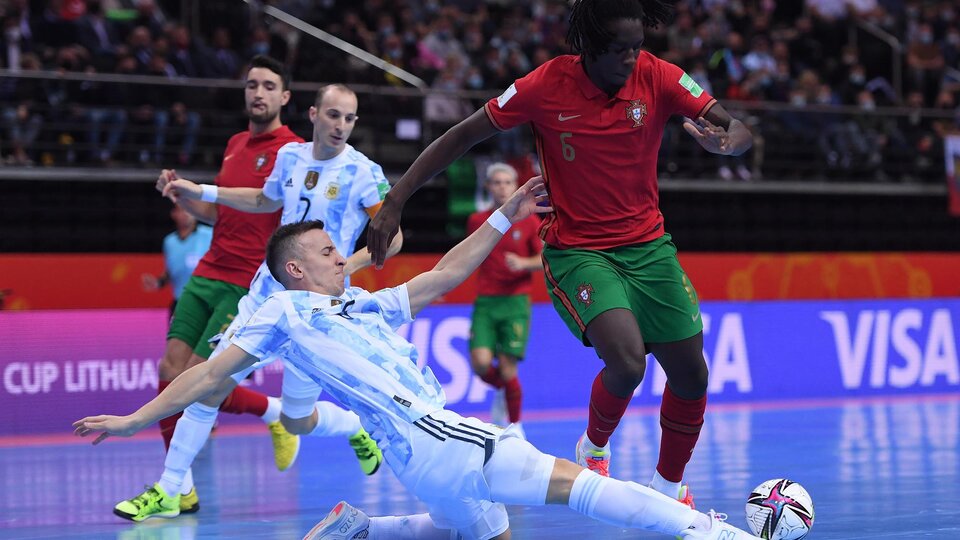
<point x="857" y="78"/>
<point x="798" y="100"/>
<point x="926" y="38"/>
<point x="868" y="105"/>
<point x="261" y="48"/>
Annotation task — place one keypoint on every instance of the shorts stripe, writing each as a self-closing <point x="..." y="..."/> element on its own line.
<point x="561" y="295"/>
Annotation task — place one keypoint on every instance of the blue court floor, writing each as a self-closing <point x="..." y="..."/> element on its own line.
<point x="875" y="469"/>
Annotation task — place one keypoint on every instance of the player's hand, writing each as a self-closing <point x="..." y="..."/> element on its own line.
<point x="531" y="198"/>
<point x="383" y="227"/>
<point x="150" y="282"/>
<point x="166" y="176"/>
<point x="181" y="188"/>
<point x="711" y="137"/>
<point x="514" y="262"/>
<point x="121" y="426"/>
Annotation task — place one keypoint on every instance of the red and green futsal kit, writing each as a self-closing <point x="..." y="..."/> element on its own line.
<point x="209" y="300"/>
<point x="605" y="243"/>
<point x="501" y="312"/>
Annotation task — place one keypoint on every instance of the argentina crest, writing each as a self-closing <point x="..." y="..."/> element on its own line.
<point x="333" y="190"/>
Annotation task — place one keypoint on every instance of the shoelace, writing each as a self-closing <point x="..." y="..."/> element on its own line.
<point x="151" y="494"/>
<point x="360" y="447"/>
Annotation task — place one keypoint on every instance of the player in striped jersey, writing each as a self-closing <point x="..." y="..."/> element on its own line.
<point x="326" y="180"/>
<point x="344" y="340"/>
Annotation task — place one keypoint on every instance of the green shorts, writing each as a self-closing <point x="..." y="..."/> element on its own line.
<point x="205" y="308"/>
<point x="501" y="324"/>
<point x="645" y="278"/>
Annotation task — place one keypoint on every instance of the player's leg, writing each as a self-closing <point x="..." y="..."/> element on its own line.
<point x="590" y="296"/>
<point x="300" y="405"/>
<point x="187" y="326"/>
<point x="518" y="473"/>
<point x="347" y="522"/>
<point x="668" y="311"/>
<point x="512" y="333"/>
<point x="174" y="493"/>
<point x="482" y="346"/>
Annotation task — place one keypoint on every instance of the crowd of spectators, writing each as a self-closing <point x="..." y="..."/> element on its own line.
<point x="812" y="57"/>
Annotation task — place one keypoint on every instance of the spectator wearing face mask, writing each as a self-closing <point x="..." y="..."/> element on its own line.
<point x="925" y="62"/>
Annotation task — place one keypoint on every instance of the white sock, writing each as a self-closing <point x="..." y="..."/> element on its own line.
<point x="191" y="433"/>
<point x="332" y="421"/>
<point x="415" y="527"/>
<point x="187" y="484"/>
<point x="273" y="410"/>
<point x="628" y="504"/>
<point x="661" y="484"/>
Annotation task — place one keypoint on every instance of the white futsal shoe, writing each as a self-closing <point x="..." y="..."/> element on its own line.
<point x="719" y="530"/>
<point x="344" y="522"/>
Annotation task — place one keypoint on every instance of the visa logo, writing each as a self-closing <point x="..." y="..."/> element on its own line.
<point x="896" y="349"/>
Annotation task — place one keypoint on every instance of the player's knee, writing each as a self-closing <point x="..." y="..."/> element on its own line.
<point x="628" y="368"/>
<point x="170" y="367"/>
<point x="480" y="361"/>
<point x="693" y="383"/>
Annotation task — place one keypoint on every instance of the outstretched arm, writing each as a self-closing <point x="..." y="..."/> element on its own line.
<point x="192" y="385"/>
<point x="204" y="212"/>
<point x="437" y="157"/>
<point x="362" y="259"/>
<point x="466" y="256"/>
<point x="240" y="198"/>
<point x="720" y="133"/>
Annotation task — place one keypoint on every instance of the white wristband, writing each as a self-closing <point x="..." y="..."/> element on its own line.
<point x="499" y="221"/>
<point x="208" y="193"/>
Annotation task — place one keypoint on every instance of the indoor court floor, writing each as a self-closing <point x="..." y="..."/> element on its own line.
<point x="878" y="468"/>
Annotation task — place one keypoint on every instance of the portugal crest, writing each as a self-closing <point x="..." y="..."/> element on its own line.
<point x="333" y="189"/>
<point x="636" y="111"/>
<point x="585" y="294"/>
<point x="260" y="161"/>
<point x="310" y="181"/>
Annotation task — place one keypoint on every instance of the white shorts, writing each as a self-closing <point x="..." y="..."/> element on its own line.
<point x="464" y="470"/>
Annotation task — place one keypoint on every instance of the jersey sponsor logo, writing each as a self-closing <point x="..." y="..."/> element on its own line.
<point x="585" y="294"/>
<point x="400" y="400"/>
<point x="636" y="111"/>
<point x="562" y="118"/>
<point x="506" y="95"/>
<point x="311" y="179"/>
<point x="260" y="161"/>
<point x="333" y="190"/>
<point x="691" y="85"/>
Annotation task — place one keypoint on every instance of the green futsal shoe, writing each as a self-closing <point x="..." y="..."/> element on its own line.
<point x="367" y="452"/>
<point x="154" y="502"/>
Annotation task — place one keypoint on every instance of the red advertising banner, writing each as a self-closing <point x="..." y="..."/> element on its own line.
<point x="74" y="281"/>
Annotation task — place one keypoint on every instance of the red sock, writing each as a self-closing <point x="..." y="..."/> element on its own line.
<point x="168" y="424"/>
<point x="243" y="400"/>
<point x="492" y="377"/>
<point x="606" y="410"/>
<point x="680" y="422"/>
<point x="514" y="395"/>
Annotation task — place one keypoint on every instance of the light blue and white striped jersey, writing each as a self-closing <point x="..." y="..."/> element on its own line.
<point x="336" y="191"/>
<point x="348" y="345"/>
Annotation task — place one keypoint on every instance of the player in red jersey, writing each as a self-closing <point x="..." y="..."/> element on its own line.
<point x="500" y="324"/>
<point x="209" y="300"/>
<point x="598" y="118"/>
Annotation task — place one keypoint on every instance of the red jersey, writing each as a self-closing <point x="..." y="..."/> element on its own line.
<point x="493" y="276"/>
<point x="598" y="154"/>
<point x="239" y="238"/>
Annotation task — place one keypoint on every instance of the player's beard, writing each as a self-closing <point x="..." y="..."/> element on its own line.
<point x="262" y="118"/>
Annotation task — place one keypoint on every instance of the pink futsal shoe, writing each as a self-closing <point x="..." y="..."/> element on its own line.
<point x="344" y="522"/>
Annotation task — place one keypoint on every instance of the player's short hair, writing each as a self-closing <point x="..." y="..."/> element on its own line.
<point x="501" y="167"/>
<point x="326" y="88"/>
<point x="588" y="34"/>
<point x="274" y="65"/>
<point x="283" y="245"/>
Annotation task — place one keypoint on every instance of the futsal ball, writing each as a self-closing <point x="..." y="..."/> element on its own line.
<point x="780" y="509"/>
